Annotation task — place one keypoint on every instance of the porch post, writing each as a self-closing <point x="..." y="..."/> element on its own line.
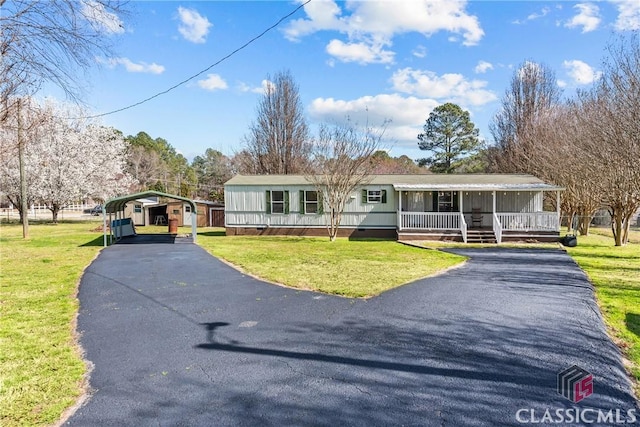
<point x="460" y="201"/>
<point x="558" y="207"/>
<point x="400" y="210"/>
<point x="494" y="202"/>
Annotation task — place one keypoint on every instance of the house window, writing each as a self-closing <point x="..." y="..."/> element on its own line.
<point x="447" y="201"/>
<point x="277" y="202"/>
<point x="187" y="208"/>
<point x="137" y="208"/>
<point x="374" y="196"/>
<point x="310" y="202"/>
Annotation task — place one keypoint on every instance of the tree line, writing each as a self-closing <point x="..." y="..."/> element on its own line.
<point x="589" y="144"/>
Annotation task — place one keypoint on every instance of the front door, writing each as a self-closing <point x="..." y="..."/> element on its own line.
<point x="187" y="215"/>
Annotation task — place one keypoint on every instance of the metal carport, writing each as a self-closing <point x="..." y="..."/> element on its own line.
<point x="116" y="206"/>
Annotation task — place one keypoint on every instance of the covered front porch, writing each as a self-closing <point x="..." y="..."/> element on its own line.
<point x="476" y="214"/>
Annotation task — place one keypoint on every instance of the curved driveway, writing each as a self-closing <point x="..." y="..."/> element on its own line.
<point x="179" y="338"/>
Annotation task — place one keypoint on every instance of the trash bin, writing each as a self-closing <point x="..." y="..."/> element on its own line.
<point x="173" y="226"/>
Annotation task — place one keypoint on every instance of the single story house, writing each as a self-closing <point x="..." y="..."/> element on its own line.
<point x="459" y="207"/>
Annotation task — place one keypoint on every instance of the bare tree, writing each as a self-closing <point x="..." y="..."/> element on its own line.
<point x="278" y="141"/>
<point x="144" y="165"/>
<point x="533" y="91"/>
<point x="342" y="158"/>
<point x="50" y="41"/>
<point x="611" y="115"/>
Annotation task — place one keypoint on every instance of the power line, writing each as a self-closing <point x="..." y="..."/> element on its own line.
<point x="284" y="18"/>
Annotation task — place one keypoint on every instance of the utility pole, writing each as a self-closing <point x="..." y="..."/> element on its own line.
<point x="24" y="206"/>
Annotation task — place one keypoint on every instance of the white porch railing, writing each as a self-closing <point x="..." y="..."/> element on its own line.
<point x="430" y="220"/>
<point x="534" y="221"/>
<point x="497" y="228"/>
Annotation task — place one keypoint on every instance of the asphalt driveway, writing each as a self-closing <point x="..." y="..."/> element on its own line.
<point x="179" y="338"/>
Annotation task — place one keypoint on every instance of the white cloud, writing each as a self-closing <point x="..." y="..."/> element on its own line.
<point x="264" y="86"/>
<point x="371" y="25"/>
<point x="267" y="86"/>
<point x="406" y="114"/>
<point x="193" y="26"/>
<point x="588" y="17"/>
<point x="420" y="51"/>
<point x="628" y="15"/>
<point x="132" y="67"/>
<point x="544" y="12"/>
<point x="532" y="17"/>
<point x="212" y="82"/>
<point x="581" y="72"/>
<point x="449" y="87"/>
<point x="362" y="53"/>
<point x="97" y="15"/>
<point x="561" y="83"/>
<point x="483" y="67"/>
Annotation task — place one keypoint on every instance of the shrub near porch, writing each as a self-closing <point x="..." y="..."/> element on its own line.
<point x="353" y="268"/>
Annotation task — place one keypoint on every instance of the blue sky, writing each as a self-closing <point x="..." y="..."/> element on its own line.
<point x="366" y="60"/>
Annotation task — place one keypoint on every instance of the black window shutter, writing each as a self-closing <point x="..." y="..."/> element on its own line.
<point x="364" y="195"/>
<point x="268" y="201"/>
<point x="302" y="206"/>
<point x="384" y="196"/>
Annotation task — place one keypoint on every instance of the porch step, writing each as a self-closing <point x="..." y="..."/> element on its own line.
<point x="481" y="236"/>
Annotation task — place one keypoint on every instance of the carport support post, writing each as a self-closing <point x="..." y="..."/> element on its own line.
<point x="104" y="227"/>
<point x="194" y="221"/>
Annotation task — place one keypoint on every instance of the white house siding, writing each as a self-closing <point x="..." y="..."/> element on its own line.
<point x="245" y="206"/>
<point x="482" y="200"/>
<point x="519" y="201"/>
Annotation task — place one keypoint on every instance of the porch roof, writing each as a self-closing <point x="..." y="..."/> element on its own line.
<point x="423" y="182"/>
<point x="477" y="187"/>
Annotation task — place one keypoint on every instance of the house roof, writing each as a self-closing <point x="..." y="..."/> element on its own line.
<point x="424" y="182"/>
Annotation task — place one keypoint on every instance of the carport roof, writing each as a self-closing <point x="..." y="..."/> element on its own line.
<point x="117" y="204"/>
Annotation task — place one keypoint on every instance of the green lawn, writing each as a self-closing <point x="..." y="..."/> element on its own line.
<point x="354" y="268"/>
<point x="615" y="272"/>
<point x="41" y="370"/>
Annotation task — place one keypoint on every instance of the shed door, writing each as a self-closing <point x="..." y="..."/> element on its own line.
<point x="216" y="217"/>
<point x="187" y="215"/>
<point x="138" y="214"/>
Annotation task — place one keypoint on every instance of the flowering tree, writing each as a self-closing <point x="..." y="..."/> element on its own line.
<point x="68" y="159"/>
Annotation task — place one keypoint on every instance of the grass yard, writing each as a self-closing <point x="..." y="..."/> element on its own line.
<point x="353" y="268"/>
<point x="615" y="272"/>
<point x="41" y="370"/>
